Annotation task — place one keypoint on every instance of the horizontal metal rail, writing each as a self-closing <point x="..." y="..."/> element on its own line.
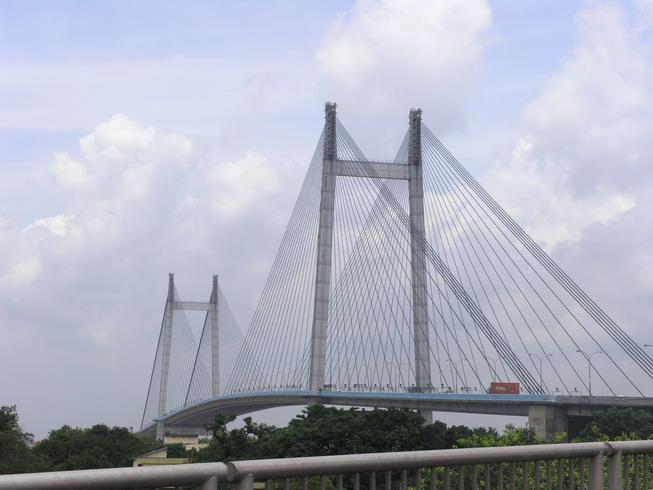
<point x="145" y="477"/>
<point x="623" y="464"/>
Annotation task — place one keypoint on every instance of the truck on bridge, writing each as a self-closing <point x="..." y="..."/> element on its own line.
<point x="498" y="388"/>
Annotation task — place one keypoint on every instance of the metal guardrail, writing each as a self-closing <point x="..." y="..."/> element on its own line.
<point x="591" y="466"/>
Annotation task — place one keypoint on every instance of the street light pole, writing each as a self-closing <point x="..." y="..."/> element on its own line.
<point x="589" y="367"/>
<point x="454" y="373"/>
<point x="541" y="361"/>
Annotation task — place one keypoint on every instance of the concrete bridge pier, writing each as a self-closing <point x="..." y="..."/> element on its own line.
<point x="547" y="420"/>
<point x="160" y="430"/>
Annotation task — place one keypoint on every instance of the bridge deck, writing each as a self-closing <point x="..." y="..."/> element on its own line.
<point x="202" y="413"/>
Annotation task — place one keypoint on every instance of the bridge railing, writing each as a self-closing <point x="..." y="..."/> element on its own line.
<point x="595" y="465"/>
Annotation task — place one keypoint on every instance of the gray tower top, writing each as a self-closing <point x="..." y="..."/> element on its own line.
<point x="330" y="109"/>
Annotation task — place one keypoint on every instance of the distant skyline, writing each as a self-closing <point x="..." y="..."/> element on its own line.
<point x="141" y="138"/>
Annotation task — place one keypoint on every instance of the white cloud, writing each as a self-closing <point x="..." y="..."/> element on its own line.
<point x="132" y="187"/>
<point x="19" y="262"/>
<point x="55" y="225"/>
<point x="583" y="146"/>
<point x="69" y="174"/>
<point x="579" y="175"/>
<point x="22" y="272"/>
<point x="614" y="261"/>
<point x="386" y="56"/>
<point x="243" y="184"/>
<point x="542" y="200"/>
<point x="136" y="203"/>
<point x="116" y="140"/>
<point x="594" y="117"/>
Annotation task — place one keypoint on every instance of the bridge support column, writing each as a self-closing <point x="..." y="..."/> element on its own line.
<point x="418" y="258"/>
<point x="324" y="243"/>
<point x="547" y="420"/>
<point x="160" y="430"/>
<point x="215" y="345"/>
<point x="165" y="355"/>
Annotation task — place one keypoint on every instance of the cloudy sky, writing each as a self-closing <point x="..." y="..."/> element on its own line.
<point x="141" y="138"/>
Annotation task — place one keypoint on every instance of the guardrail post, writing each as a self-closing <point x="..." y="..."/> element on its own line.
<point x="615" y="471"/>
<point x="646" y="471"/>
<point x="246" y="482"/>
<point x="210" y="484"/>
<point x="596" y="472"/>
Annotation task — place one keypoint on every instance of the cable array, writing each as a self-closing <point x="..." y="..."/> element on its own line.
<point x="499" y="308"/>
<point x="560" y="309"/>
<point x="457" y="312"/>
<point x="274" y="352"/>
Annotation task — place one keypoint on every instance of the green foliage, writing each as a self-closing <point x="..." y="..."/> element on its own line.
<point x="320" y="430"/>
<point x="246" y="442"/>
<point x="177" y="450"/>
<point x="618" y="424"/>
<point x="316" y="431"/>
<point x="486" y="437"/>
<point x="518" y="436"/>
<point x="15" y="454"/>
<point x="70" y="448"/>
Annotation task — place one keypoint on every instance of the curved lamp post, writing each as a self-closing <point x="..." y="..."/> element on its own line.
<point x="541" y="359"/>
<point x="589" y="367"/>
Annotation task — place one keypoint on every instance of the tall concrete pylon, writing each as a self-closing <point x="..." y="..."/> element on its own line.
<point x="165" y="355"/>
<point x="411" y="171"/>
<point x="215" y="338"/>
<point x="418" y="257"/>
<point x="324" y="243"/>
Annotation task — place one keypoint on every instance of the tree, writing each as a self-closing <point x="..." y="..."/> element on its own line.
<point x="15" y="454"/>
<point x="487" y="437"/>
<point x="618" y="423"/>
<point x="320" y="430"/>
<point x="177" y="450"/>
<point x="247" y="442"/>
<point x="70" y="448"/>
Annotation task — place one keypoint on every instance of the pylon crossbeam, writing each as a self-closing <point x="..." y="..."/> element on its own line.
<point x="371" y="169"/>
<point x="191" y="305"/>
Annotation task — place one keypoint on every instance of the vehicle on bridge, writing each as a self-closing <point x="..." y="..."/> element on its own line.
<point x="499" y="388"/>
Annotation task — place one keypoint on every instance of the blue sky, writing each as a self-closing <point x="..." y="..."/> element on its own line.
<point x="548" y="103"/>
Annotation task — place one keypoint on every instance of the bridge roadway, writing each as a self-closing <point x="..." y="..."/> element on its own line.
<point x="547" y="413"/>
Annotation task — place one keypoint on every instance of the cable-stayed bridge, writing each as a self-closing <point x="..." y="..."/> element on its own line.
<point x="399" y="283"/>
